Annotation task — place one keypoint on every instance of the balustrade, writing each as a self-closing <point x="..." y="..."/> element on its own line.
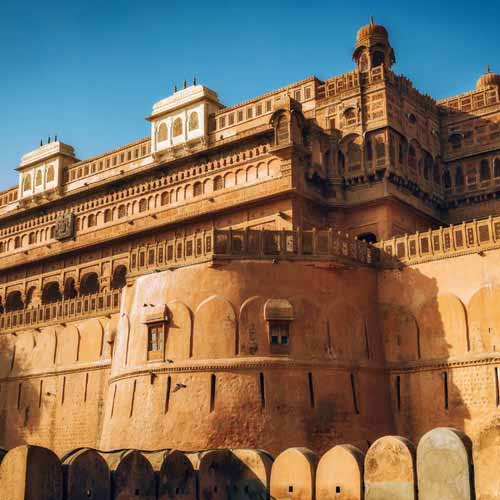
<point x="250" y="244"/>
<point x="62" y="311"/>
<point x="468" y="237"/>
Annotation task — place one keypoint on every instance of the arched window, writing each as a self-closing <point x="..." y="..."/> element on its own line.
<point x="165" y="198"/>
<point x="17" y="242"/>
<point x="14" y="302"/>
<point x="197" y="189"/>
<point x="194" y="121"/>
<point x="2" y="247"/>
<point x="447" y="179"/>
<point x="162" y="132"/>
<point x="108" y="215"/>
<point x="32" y="238"/>
<point x="459" y="176"/>
<point x="350" y="116"/>
<point x="122" y="211"/>
<point x="50" y="173"/>
<point x="38" y="178"/>
<point x="92" y="220"/>
<point x="218" y="183"/>
<point x="89" y="284"/>
<point x="497" y="167"/>
<point x="177" y="127"/>
<point x="143" y="205"/>
<point x="353" y="154"/>
<point x="51" y="293"/>
<point x="27" y="182"/>
<point x="484" y="170"/>
<point x="119" y="277"/>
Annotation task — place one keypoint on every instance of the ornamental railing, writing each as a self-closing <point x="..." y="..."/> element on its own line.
<point x="455" y="240"/>
<point x="251" y="244"/>
<point x="62" y="311"/>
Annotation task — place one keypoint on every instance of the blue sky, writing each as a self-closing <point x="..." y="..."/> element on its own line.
<point x="90" y="71"/>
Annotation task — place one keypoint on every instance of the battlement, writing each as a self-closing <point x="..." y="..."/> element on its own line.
<point x="445" y="464"/>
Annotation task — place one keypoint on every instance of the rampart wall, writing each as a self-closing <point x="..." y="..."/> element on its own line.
<point x="445" y="464"/>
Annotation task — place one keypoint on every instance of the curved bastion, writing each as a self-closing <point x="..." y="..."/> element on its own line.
<point x="252" y="353"/>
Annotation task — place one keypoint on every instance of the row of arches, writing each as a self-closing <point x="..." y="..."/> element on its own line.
<point x="239" y="177"/>
<point x="485" y="170"/>
<point x="44" y="234"/>
<point x="38" y="178"/>
<point x="177" y="127"/>
<point x="53" y="291"/>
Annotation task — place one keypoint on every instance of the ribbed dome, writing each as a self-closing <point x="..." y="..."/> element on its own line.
<point x="489" y="79"/>
<point x="371" y="29"/>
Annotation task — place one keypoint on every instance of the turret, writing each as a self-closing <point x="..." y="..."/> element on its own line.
<point x="372" y="47"/>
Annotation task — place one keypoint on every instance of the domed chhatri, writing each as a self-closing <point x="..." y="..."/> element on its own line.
<point x="489" y="79"/>
<point x="372" y="47"/>
<point x="371" y="30"/>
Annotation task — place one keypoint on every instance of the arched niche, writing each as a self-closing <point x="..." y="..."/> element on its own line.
<point x="345" y="332"/>
<point x="399" y="332"/>
<point x="23" y="359"/>
<point x="484" y="319"/>
<point x="253" y="336"/>
<point x="180" y="328"/>
<point x="293" y="474"/>
<point x="340" y="474"/>
<point x="68" y="345"/>
<point x="214" y="329"/>
<point x="44" y="353"/>
<point x="91" y="340"/>
<point x="443" y="327"/>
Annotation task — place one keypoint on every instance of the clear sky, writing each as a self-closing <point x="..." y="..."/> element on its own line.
<point x="91" y="70"/>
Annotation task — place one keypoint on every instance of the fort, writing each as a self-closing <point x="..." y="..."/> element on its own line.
<point x="316" y="266"/>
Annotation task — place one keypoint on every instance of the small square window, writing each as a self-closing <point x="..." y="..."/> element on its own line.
<point x="279" y="333"/>
<point x="156" y="340"/>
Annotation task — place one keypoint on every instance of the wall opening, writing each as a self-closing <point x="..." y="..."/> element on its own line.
<point x="119" y="278"/>
<point x="89" y="284"/>
<point x="167" y="393"/>
<point x="311" y="390"/>
<point x="262" y="385"/>
<point x="497" y="384"/>
<point x="398" y="392"/>
<point x="354" y="395"/>
<point x="213" y="382"/>
<point x="445" y="389"/>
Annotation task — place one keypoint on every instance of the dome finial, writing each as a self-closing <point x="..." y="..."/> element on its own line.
<point x="371" y="20"/>
<point x="488" y="69"/>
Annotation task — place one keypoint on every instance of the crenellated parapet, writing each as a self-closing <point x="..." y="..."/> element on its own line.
<point x="445" y="464"/>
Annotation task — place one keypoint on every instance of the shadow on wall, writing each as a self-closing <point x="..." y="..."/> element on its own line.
<point x="423" y="329"/>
